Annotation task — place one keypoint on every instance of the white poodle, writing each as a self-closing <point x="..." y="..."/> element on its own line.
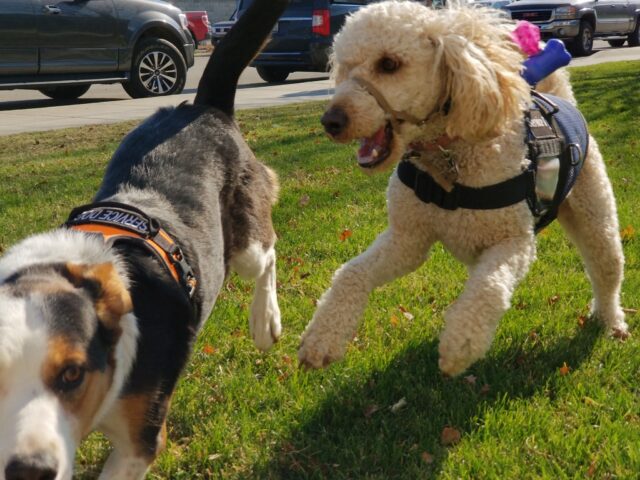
<point x="447" y="83"/>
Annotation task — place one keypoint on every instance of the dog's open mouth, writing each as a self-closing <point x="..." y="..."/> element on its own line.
<point x="375" y="149"/>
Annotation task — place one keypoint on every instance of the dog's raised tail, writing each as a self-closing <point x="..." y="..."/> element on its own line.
<point x="217" y="87"/>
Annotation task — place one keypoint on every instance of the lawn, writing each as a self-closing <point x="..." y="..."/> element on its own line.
<point x="554" y="398"/>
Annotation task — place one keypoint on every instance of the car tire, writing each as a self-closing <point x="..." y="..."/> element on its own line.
<point x="618" y="42"/>
<point x="634" y="37"/>
<point x="583" y="43"/>
<point x="65" y="92"/>
<point x="273" y="74"/>
<point x="158" y="69"/>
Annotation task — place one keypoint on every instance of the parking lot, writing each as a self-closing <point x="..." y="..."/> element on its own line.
<point x="28" y="110"/>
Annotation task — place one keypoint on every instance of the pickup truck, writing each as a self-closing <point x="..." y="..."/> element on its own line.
<point x="61" y="47"/>
<point x="578" y="22"/>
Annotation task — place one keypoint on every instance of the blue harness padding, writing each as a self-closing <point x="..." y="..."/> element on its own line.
<point x="554" y="129"/>
<point x="570" y="127"/>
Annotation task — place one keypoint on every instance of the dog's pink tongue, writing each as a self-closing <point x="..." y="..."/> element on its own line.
<point x="368" y="153"/>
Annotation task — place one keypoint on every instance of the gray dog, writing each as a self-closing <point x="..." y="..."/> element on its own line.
<point x="97" y="318"/>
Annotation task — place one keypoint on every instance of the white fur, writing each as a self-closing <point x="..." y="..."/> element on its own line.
<point x="31" y="417"/>
<point x="264" y="321"/>
<point x="468" y="57"/>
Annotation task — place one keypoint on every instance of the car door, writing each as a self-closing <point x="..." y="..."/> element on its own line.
<point x="77" y="36"/>
<point x="610" y="14"/>
<point x="18" y="38"/>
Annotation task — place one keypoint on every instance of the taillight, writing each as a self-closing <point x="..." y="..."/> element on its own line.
<point x="320" y="23"/>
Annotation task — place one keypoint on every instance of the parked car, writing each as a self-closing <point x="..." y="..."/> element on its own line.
<point x="578" y="22"/>
<point x="62" y="47"/>
<point x="302" y="38"/>
<point x="199" y="26"/>
<point x="220" y="29"/>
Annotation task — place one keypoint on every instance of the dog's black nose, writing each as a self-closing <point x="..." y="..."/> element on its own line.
<point x="334" y="120"/>
<point x="41" y="466"/>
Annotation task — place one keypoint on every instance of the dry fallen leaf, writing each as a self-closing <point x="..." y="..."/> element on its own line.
<point x="346" y="233"/>
<point x="627" y="233"/>
<point x="582" y="321"/>
<point x="470" y="379"/>
<point x="286" y="359"/>
<point x="394" y="321"/>
<point x="370" y="410"/>
<point x="209" y="349"/>
<point x="553" y="299"/>
<point x="398" y="405"/>
<point x="304" y="200"/>
<point x="592" y="469"/>
<point x="449" y="436"/>
<point x="485" y="389"/>
<point x="564" y="369"/>
<point x="427" y="458"/>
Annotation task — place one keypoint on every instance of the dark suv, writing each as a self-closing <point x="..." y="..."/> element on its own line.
<point x="61" y="47"/>
<point x="302" y="38"/>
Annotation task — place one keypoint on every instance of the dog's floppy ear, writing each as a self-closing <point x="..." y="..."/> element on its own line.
<point x="111" y="298"/>
<point x="484" y="87"/>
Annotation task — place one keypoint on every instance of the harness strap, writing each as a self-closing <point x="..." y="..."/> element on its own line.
<point x="491" y="197"/>
<point x="396" y="116"/>
<point x="116" y="222"/>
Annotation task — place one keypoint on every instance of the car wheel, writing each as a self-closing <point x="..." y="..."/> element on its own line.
<point x="158" y="69"/>
<point x="617" y="42"/>
<point x="273" y="74"/>
<point x="65" y="92"/>
<point x="583" y="43"/>
<point x="634" y="37"/>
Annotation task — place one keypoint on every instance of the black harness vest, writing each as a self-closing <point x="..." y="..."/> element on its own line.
<point x="555" y="130"/>
<point x="117" y="222"/>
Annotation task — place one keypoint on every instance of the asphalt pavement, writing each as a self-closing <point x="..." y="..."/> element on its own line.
<point x="30" y="111"/>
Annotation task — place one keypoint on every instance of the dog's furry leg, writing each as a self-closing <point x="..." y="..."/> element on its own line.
<point x="470" y="322"/>
<point x="137" y="430"/>
<point x="590" y="219"/>
<point x="264" y="322"/>
<point x="336" y="319"/>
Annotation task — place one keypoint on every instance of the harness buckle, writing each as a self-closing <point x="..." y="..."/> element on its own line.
<point x="575" y="153"/>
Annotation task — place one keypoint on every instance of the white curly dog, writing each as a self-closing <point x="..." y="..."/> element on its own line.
<point x="450" y="82"/>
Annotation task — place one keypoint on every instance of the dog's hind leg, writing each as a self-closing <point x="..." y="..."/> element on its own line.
<point x="259" y="263"/>
<point x="471" y="321"/>
<point x="393" y="254"/>
<point x="590" y="219"/>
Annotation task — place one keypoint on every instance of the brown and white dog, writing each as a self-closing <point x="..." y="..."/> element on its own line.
<point x="94" y="333"/>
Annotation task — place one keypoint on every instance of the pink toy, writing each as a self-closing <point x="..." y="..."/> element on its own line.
<point x="527" y="36"/>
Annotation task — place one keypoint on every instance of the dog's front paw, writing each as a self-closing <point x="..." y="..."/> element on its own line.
<point x="318" y="351"/>
<point x="265" y="327"/>
<point x="458" y="350"/>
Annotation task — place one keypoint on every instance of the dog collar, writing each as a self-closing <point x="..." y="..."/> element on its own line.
<point x="119" y="222"/>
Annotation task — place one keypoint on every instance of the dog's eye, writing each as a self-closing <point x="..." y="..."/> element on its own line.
<point x="70" y="378"/>
<point x="388" y="65"/>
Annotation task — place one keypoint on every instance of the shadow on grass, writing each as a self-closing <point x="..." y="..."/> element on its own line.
<point x="348" y="438"/>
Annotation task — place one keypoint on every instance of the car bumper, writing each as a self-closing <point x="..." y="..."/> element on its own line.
<point x="314" y="60"/>
<point x="560" y="29"/>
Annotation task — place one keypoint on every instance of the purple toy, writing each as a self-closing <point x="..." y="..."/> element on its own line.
<point x="539" y="66"/>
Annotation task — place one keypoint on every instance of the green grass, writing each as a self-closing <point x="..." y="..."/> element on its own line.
<point x="241" y="414"/>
